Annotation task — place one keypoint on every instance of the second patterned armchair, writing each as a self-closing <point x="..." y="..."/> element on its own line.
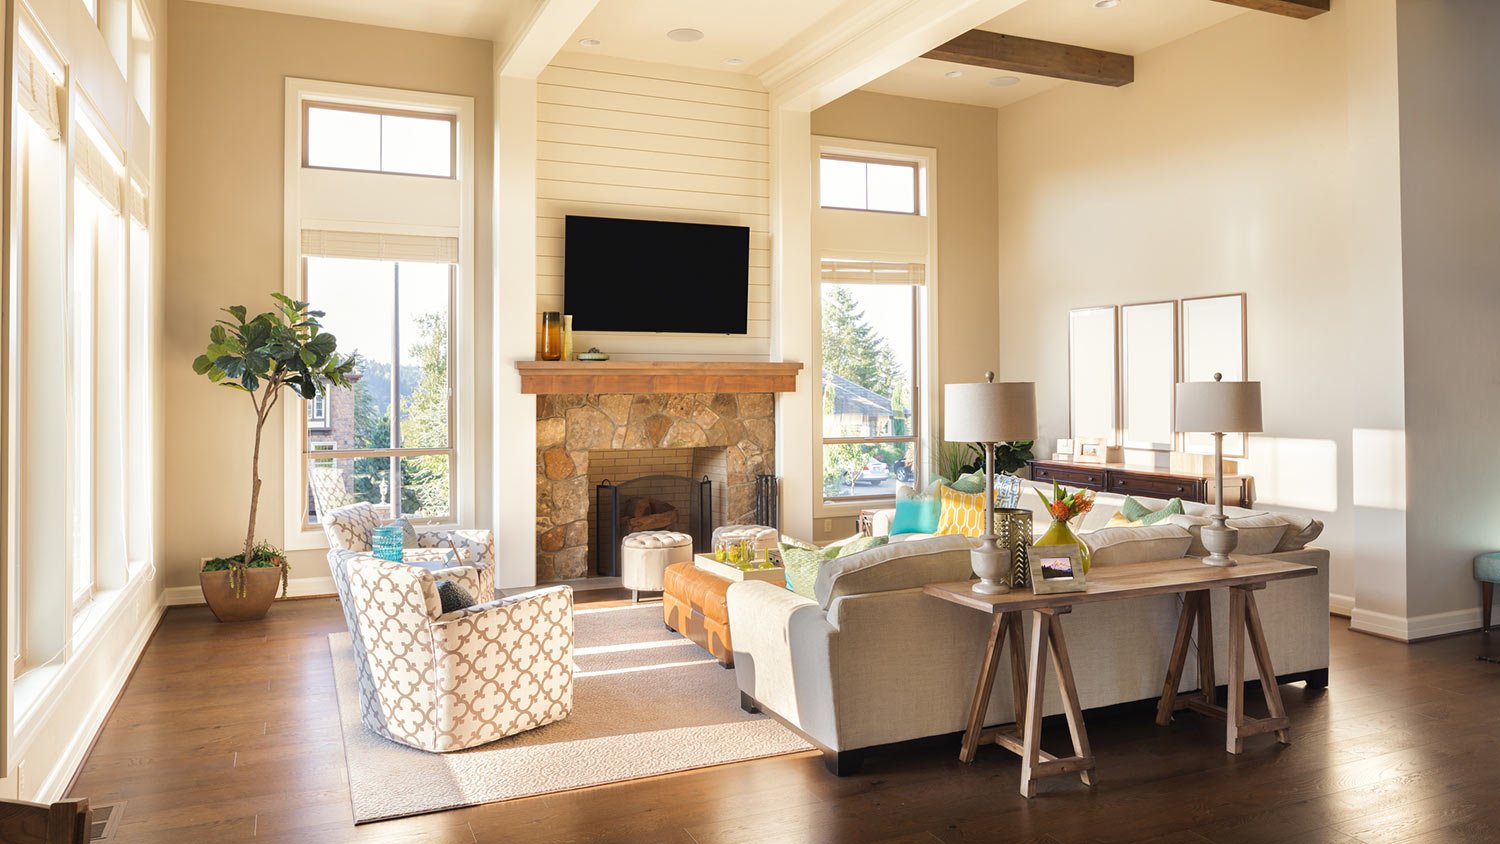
<point x="352" y="527"/>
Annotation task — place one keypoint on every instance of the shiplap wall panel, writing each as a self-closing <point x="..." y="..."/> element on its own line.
<point x="641" y="141"/>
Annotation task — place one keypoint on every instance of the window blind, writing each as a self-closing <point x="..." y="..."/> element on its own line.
<point x="137" y="199"/>
<point x="36" y="90"/>
<point x="97" y="171"/>
<point x="873" y="272"/>
<point x="379" y="247"/>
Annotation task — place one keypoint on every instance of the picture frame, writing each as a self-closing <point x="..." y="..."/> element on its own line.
<point x="1090" y="450"/>
<point x="1056" y="569"/>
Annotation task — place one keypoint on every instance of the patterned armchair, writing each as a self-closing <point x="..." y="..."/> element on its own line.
<point x="352" y="527"/>
<point x="443" y="682"/>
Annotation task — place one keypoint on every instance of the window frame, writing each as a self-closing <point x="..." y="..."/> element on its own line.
<point x="918" y="384"/>
<point x="452" y="119"/>
<point x="395" y="453"/>
<point x="316" y="420"/>
<point x="916" y="183"/>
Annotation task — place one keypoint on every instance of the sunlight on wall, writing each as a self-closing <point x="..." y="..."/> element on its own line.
<point x="1294" y="473"/>
<point x="1380" y="468"/>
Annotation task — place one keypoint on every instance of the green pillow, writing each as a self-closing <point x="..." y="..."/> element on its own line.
<point x="802" y="564"/>
<point x="863" y="543"/>
<point x="972" y="483"/>
<point x="1135" y="511"/>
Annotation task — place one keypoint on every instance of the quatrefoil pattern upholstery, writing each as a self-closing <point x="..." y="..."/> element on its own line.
<point x="352" y="528"/>
<point x="448" y="682"/>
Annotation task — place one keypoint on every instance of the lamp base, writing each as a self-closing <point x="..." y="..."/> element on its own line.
<point x="1220" y="540"/>
<point x="992" y="566"/>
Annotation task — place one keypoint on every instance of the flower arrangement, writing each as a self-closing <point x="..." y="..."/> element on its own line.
<point x="1067" y="506"/>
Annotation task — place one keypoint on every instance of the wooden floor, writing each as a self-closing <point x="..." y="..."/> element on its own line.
<point x="229" y="733"/>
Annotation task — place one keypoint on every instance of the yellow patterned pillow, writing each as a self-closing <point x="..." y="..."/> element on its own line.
<point x="962" y="513"/>
<point x="1119" y="520"/>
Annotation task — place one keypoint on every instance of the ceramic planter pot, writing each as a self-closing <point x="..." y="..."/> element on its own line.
<point x="261" y="586"/>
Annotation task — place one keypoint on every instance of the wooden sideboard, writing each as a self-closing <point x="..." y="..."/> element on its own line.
<point x="1239" y="490"/>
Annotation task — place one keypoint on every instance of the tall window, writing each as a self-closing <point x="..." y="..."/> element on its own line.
<point x="871" y="359"/>
<point x="344" y="137"/>
<point x="869" y="184"/>
<point x="387" y="441"/>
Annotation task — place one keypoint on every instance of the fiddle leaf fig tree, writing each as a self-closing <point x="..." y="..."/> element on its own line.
<point x="282" y="349"/>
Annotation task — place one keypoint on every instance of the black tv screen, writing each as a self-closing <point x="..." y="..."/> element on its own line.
<point x="645" y="275"/>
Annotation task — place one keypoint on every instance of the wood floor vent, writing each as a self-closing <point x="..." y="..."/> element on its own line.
<point x="105" y="821"/>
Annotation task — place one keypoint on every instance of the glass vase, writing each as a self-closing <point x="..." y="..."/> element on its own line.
<point x="552" y="336"/>
<point x="1061" y="533"/>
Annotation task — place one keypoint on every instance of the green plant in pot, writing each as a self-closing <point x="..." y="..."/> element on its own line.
<point x="262" y="357"/>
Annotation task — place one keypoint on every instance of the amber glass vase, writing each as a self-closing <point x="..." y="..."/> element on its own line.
<point x="1061" y="533"/>
<point x="552" y="336"/>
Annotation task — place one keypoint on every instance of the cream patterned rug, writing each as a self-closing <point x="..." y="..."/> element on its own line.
<point x="645" y="702"/>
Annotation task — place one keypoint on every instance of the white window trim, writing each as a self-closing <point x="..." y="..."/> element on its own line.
<point x="298" y="535"/>
<point x="928" y="430"/>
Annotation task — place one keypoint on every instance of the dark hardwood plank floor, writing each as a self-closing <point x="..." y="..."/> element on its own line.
<point x="229" y="733"/>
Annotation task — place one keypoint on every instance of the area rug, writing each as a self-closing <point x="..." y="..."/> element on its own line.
<point x="645" y="702"/>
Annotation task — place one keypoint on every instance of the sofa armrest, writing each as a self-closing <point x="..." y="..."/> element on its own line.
<point x="478" y="544"/>
<point x="880" y="523"/>
<point x="782" y="655"/>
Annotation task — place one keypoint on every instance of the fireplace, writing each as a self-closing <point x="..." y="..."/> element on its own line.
<point x="586" y="438"/>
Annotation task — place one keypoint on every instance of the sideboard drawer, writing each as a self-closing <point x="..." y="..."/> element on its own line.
<point x="1075" y="476"/>
<point x="1152" y="487"/>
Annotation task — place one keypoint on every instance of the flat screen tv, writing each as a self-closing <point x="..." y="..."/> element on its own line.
<point x="646" y="275"/>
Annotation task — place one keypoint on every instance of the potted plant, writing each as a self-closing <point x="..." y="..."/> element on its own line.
<point x="282" y="348"/>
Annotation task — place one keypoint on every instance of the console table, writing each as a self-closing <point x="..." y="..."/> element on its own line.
<point x="1116" y="583"/>
<point x="1239" y="490"/>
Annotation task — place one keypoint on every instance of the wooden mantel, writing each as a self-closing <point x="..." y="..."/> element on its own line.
<point x="656" y="376"/>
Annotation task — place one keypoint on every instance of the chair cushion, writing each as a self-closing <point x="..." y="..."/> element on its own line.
<point x="648" y="539"/>
<point x="1487" y="568"/>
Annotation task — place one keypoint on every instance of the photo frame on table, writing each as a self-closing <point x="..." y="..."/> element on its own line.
<point x="1055" y="569"/>
<point x="1090" y="450"/>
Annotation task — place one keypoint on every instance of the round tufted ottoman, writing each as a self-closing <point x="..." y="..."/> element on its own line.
<point x="761" y="538"/>
<point x="1487" y="572"/>
<point x="645" y="556"/>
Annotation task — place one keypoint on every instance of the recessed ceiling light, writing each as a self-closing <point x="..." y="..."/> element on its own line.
<point x="589" y="42"/>
<point x="686" y="34"/>
<point x="1004" y="81"/>
<point x="734" y="61"/>
<point x="1106" y="4"/>
<point x="954" y="74"/>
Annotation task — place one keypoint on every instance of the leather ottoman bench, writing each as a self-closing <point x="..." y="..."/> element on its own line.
<point x="694" y="604"/>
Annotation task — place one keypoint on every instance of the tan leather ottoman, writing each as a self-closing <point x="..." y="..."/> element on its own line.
<point x="694" y="604"/>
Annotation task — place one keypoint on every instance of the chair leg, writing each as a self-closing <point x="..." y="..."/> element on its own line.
<point x="1488" y="599"/>
<point x="635" y="596"/>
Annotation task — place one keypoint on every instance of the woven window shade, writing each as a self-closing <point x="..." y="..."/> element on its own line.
<point x="96" y="171"/>
<point x="379" y="247"/>
<point x="37" y="91"/>
<point x="138" y="208"/>
<point x="873" y="272"/>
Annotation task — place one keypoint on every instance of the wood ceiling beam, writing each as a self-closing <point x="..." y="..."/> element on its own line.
<point x="981" y="48"/>
<point x="1301" y="9"/>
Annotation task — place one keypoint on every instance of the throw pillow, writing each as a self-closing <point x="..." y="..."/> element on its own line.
<point x="971" y="483"/>
<point x="961" y="513"/>
<point x="862" y="543"/>
<point x="1119" y="520"/>
<point x="408" y="532"/>
<point x="798" y="544"/>
<point x="453" y="596"/>
<point x="916" y="515"/>
<point x="1135" y="511"/>
<point x="802" y="564"/>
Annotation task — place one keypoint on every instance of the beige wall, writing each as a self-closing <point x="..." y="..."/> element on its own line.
<point x="224" y="239"/>
<point x="1450" y="183"/>
<point x="1224" y="168"/>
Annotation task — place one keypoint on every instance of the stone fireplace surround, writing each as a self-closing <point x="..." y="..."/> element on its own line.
<point x="570" y="425"/>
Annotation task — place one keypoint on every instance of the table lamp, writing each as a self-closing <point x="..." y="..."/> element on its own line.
<point x="1214" y="407"/>
<point x="989" y="413"/>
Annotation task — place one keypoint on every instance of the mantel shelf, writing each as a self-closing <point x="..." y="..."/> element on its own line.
<point x="655" y="376"/>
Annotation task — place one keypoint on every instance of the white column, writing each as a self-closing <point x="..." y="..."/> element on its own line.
<point x="514" y="434"/>
<point x="793" y="295"/>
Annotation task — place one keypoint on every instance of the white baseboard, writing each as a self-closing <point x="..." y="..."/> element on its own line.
<point x="297" y="587"/>
<point x="1418" y="627"/>
<point x="1341" y="604"/>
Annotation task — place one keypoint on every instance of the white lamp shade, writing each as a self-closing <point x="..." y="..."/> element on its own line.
<point x="989" y="413"/>
<point x="1217" y="407"/>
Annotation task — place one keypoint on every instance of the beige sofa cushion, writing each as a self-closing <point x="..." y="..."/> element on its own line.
<point x="1300" y="532"/>
<point x="901" y="565"/>
<point x="1260" y="534"/>
<point x="1124" y="545"/>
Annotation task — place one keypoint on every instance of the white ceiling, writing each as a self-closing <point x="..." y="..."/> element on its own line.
<point x="750" y="32"/>
<point x="1134" y="27"/>
<point x="471" y="18"/>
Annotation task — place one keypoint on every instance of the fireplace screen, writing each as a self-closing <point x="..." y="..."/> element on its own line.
<point x="654" y="502"/>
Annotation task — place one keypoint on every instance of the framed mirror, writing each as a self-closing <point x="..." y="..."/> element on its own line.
<point x="1148" y="374"/>
<point x="1092" y="364"/>
<point x="1213" y="340"/>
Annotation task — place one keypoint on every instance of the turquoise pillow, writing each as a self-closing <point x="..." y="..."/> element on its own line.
<point x="916" y="515"/>
<point x="802" y="565"/>
<point x="1135" y="511"/>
